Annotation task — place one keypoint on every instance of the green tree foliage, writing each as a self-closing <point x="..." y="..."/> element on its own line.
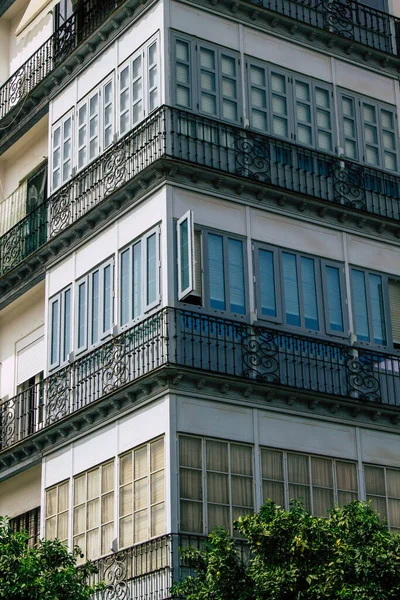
<point x="295" y="556"/>
<point x="46" y="572"/>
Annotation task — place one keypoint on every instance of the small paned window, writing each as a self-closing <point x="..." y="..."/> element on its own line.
<point x="57" y="511"/>
<point x="382" y="485"/>
<point x="369" y="297"/>
<point x="61" y="157"/>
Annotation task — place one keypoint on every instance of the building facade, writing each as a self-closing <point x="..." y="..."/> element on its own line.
<point x="199" y="269"/>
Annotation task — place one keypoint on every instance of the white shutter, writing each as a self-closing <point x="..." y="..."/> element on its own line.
<point x="30" y="360"/>
<point x="394" y="301"/>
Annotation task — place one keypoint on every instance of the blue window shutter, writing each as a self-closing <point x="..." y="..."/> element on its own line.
<point x="267" y="283"/>
<point x="309" y="293"/>
<point x="360" y="305"/>
<point x="236" y="276"/>
<point x="334" y="299"/>
<point x="290" y="287"/>
<point x="216" y="271"/>
<point x="55" y="320"/>
<point x="151" y="269"/>
<point x="67" y="325"/>
<point x="95" y="306"/>
<point x="82" y="311"/>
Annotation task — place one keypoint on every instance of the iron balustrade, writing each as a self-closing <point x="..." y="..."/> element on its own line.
<point x="83" y="22"/>
<point x="147" y="571"/>
<point x="182" y="338"/>
<point x="174" y="134"/>
<point x="350" y="19"/>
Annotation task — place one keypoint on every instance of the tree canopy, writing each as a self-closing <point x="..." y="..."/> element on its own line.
<point x="46" y="571"/>
<point x="295" y="556"/>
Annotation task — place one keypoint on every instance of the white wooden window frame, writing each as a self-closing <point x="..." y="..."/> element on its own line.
<point x="87" y="281"/>
<point x="145" y="306"/>
<point x="62" y="357"/>
<point x="61" y="147"/>
<point x="147" y="92"/>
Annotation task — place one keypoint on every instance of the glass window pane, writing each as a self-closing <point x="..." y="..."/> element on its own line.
<point x="191" y="517"/>
<point x="190" y="452"/>
<point x="360" y="305"/>
<point x="377" y="309"/>
<point x="81" y="315"/>
<point x="125" y="283"/>
<point x="137" y="280"/>
<point x="346" y="475"/>
<point x="375" y="480"/>
<point x="190" y="483"/>
<point x="67" y="324"/>
<point x="216" y="274"/>
<point x="218" y="516"/>
<point x="218" y="488"/>
<point x="95" y="306"/>
<point x="241" y="459"/>
<point x="217" y="456"/>
<point x="184" y="255"/>
<point x="272" y="464"/>
<point x="335" y="315"/>
<point x="151" y="268"/>
<point x="322" y="472"/>
<point x="267" y="283"/>
<point x="309" y="293"/>
<point x="107" y="295"/>
<point x="298" y="468"/>
<point x="291" y="290"/>
<point x="55" y="316"/>
<point x="393" y="482"/>
<point x="236" y="276"/>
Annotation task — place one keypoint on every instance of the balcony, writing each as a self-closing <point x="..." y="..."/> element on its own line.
<point x="349" y="19"/>
<point x="148" y="570"/>
<point x="201" y="343"/>
<point x="195" y="141"/>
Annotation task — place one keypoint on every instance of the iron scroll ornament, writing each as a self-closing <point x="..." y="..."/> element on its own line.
<point x="115" y="577"/>
<point x="253" y="158"/>
<point x="260" y="354"/>
<point x="362" y="379"/>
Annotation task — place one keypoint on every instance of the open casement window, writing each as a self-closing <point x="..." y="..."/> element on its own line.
<point x="369" y="132"/>
<point x="56" y="512"/>
<point x="185" y="237"/>
<point x="94" y="306"/>
<point x="93" y="516"/>
<point x="216" y="483"/>
<point x="318" y="481"/>
<point x="290" y="107"/>
<point x="299" y="291"/>
<point x="142" y="494"/>
<point x="36" y="209"/>
<point x="59" y="329"/>
<point x="140" y="277"/>
<point x="138" y="87"/>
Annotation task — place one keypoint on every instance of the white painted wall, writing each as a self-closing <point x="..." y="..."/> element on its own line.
<point x="20" y="493"/>
<point x="18" y="320"/>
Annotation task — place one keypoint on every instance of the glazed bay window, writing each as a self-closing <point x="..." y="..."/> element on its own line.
<point x="206" y="79"/>
<point x="369" y="132"/>
<point x="57" y="510"/>
<point x="299" y="291"/>
<point x="94" y="306"/>
<point x="60" y="322"/>
<point x="216" y="483"/>
<point x="376" y="307"/>
<point x="318" y="482"/>
<point x="211" y="268"/>
<point x="138" y="87"/>
<point x="290" y="107"/>
<point x="93" y="514"/>
<point x="142" y="493"/>
<point x="382" y="486"/>
<point x="140" y="277"/>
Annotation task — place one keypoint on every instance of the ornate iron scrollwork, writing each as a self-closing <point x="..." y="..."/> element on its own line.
<point x="115" y="577"/>
<point x="115" y="361"/>
<point x="338" y="17"/>
<point x="261" y="356"/>
<point x="58" y="395"/>
<point x="60" y="212"/>
<point x="362" y="380"/>
<point x="12" y="248"/>
<point x="7" y="423"/>
<point x="115" y="168"/>
<point x="349" y="185"/>
<point x="253" y="158"/>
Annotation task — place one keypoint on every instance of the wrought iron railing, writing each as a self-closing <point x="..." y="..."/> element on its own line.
<point x="182" y="338"/>
<point x="148" y="570"/>
<point x="348" y="18"/>
<point x="172" y="133"/>
<point x="77" y="28"/>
